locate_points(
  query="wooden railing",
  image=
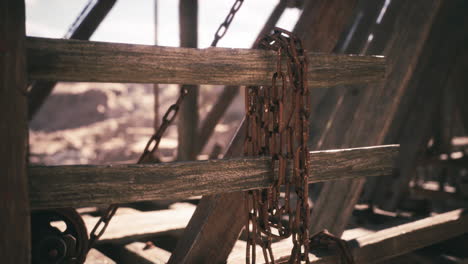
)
(91, 185)
(88, 61)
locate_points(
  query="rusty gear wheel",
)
(59, 236)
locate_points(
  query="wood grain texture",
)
(399, 240)
(15, 231)
(89, 185)
(435, 73)
(230, 92)
(206, 238)
(214, 116)
(74, 60)
(322, 23)
(40, 90)
(400, 36)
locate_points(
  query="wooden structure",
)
(368, 100)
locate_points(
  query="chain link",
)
(101, 225)
(223, 28)
(277, 125)
(151, 147)
(146, 157)
(167, 120)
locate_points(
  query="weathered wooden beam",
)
(74, 60)
(433, 74)
(89, 185)
(206, 238)
(273, 19)
(399, 240)
(368, 12)
(15, 232)
(401, 37)
(230, 92)
(322, 23)
(214, 116)
(40, 90)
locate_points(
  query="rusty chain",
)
(167, 120)
(146, 156)
(277, 125)
(153, 143)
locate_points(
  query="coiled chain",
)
(277, 119)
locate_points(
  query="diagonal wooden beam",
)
(213, 230)
(395, 241)
(435, 73)
(74, 60)
(91, 185)
(230, 92)
(401, 36)
(40, 90)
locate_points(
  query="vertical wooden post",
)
(15, 232)
(188, 116)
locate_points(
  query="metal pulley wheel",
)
(59, 236)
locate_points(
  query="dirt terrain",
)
(99, 123)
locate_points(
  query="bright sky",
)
(133, 21)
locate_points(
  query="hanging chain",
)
(101, 225)
(223, 28)
(145, 157)
(153, 143)
(167, 120)
(277, 125)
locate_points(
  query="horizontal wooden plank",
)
(399, 240)
(90, 185)
(88, 61)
